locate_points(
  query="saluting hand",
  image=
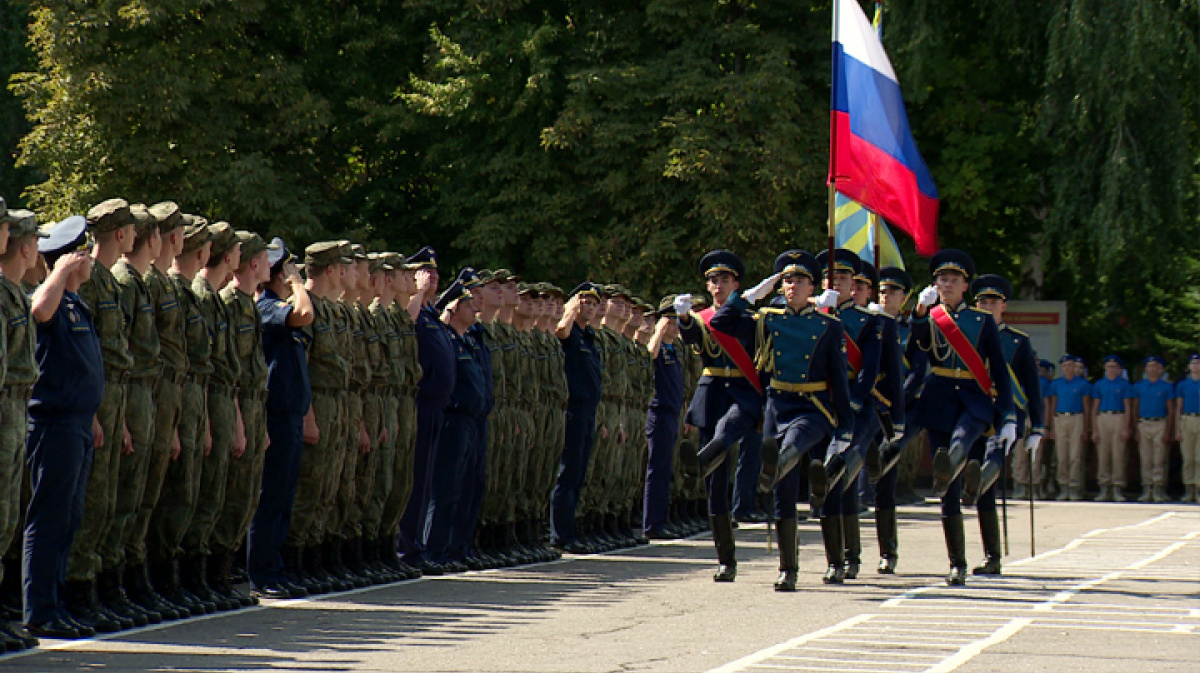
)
(756, 293)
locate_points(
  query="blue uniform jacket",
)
(469, 396)
(890, 389)
(715, 394)
(581, 362)
(71, 384)
(916, 364)
(668, 381)
(285, 349)
(483, 355)
(866, 329)
(1018, 352)
(436, 353)
(795, 348)
(936, 409)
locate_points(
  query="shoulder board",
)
(1016, 331)
(827, 316)
(770, 310)
(978, 310)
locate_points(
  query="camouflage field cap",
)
(359, 252)
(223, 238)
(168, 214)
(252, 244)
(109, 215)
(323, 254)
(22, 223)
(143, 221)
(195, 233)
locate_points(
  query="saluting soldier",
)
(984, 467)
(799, 350)
(662, 420)
(728, 403)
(958, 404)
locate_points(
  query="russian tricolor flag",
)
(872, 156)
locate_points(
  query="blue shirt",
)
(1070, 394)
(1188, 390)
(1152, 397)
(581, 361)
(1112, 393)
(71, 384)
(1045, 385)
(437, 355)
(285, 349)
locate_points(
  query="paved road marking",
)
(961, 623)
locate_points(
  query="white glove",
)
(683, 304)
(928, 296)
(875, 308)
(756, 293)
(1008, 435)
(1032, 442)
(827, 299)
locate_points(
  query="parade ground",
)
(1113, 587)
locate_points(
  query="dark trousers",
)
(745, 479)
(448, 484)
(842, 499)
(430, 419)
(662, 430)
(733, 427)
(273, 518)
(474, 486)
(809, 436)
(979, 451)
(59, 455)
(572, 469)
(967, 431)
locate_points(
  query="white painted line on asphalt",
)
(1158, 557)
(843, 650)
(767, 653)
(859, 661)
(974, 649)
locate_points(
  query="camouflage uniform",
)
(18, 372)
(408, 376)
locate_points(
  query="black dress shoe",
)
(55, 628)
(22, 634)
(273, 590)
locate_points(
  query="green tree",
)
(14, 57)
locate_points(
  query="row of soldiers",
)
(249, 414)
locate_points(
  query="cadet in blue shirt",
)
(1187, 426)
(662, 419)
(727, 406)
(1155, 397)
(284, 307)
(581, 361)
(799, 351)
(63, 426)
(1112, 415)
(958, 405)
(1070, 396)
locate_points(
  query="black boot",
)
(165, 577)
(314, 565)
(107, 593)
(977, 479)
(852, 534)
(711, 456)
(889, 544)
(835, 549)
(789, 458)
(956, 548)
(139, 590)
(195, 580)
(889, 456)
(81, 602)
(126, 605)
(948, 463)
(989, 527)
(789, 564)
(722, 529)
(219, 578)
(824, 476)
(335, 565)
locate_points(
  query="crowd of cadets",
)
(181, 404)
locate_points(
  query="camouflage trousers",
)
(402, 471)
(367, 468)
(214, 469)
(243, 479)
(181, 483)
(385, 468)
(14, 423)
(139, 419)
(168, 396)
(316, 463)
(100, 501)
(347, 453)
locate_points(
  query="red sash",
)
(733, 348)
(962, 347)
(853, 354)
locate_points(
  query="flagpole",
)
(833, 139)
(876, 231)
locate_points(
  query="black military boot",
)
(158, 578)
(107, 593)
(711, 456)
(889, 543)
(140, 591)
(835, 549)
(164, 576)
(195, 580)
(321, 581)
(125, 580)
(978, 478)
(722, 530)
(331, 551)
(352, 558)
(824, 476)
(220, 581)
(989, 527)
(956, 548)
(789, 564)
(82, 604)
(948, 463)
(852, 534)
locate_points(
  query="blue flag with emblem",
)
(855, 231)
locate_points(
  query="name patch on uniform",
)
(19, 320)
(146, 308)
(243, 329)
(168, 305)
(106, 306)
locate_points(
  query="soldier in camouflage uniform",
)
(226, 434)
(243, 476)
(559, 395)
(493, 336)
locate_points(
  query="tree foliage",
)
(619, 139)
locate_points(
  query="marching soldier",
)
(958, 404)
(728, 404)
(984, 467)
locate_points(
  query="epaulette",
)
(1016, 331)
(827, 316)
(772, 310)
(979, 310)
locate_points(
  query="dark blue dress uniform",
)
(455, 458)
(59, 448)
(801, 356)
(953, 407)
(289, 396)
(581, 363)
(475, 470)
(662, 430)
(437, 355)
(866, 329)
